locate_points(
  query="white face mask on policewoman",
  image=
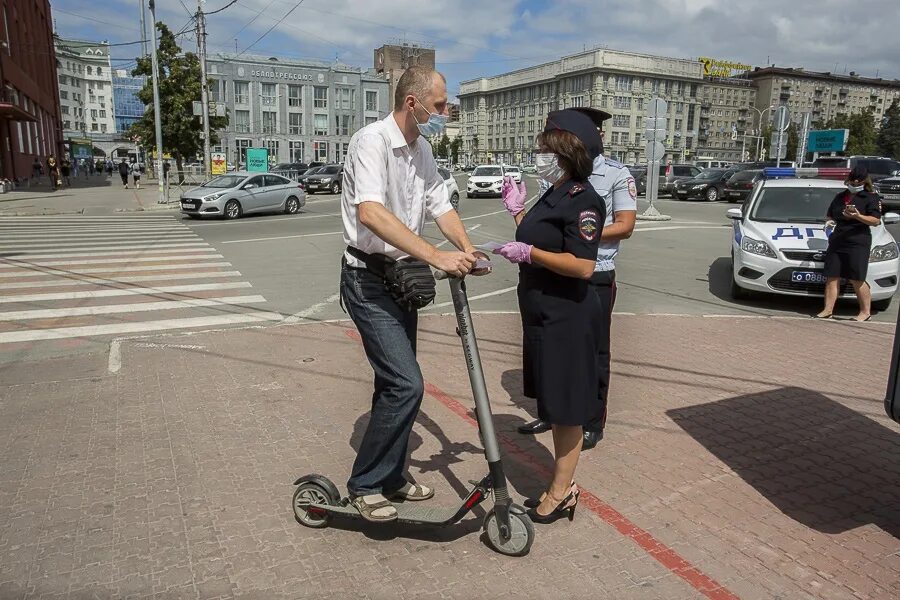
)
(434, 125)
(855, 189)
(547, 166)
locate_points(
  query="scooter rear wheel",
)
(314, 489)
(522, 532)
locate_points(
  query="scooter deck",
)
(406, 511)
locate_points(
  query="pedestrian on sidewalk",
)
(65, 168)
(136, 174)
(37, 169)
(614, 183)
(391, 184)
(556, 248)
(53, 172)
(109, 167)
(124, 168)
(852, 215)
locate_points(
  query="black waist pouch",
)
(409, 280)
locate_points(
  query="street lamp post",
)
(759, 133)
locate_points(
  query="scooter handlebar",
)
(440, 275)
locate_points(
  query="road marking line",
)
(445, 242)
(100, 245)
(282, 237)
(79, 254)
(19, 230)
(66, 281)
(667, 228)
(99, 239)
(80, 311)
(107, 270)
(118, 328)
(478, 297)
(11, 263)
(308, 312)
(168, 289)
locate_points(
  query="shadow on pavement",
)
(817, 461)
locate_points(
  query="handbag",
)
(408, 280)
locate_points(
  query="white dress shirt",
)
(381, 167)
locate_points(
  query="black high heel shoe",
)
(535, 502)
(566, 508)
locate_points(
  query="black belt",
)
(606, 278)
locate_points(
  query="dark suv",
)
(326, 179)
(669, 174)
(879, 167)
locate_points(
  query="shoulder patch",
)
(632, 188)
(587, 225)
(614, 163)
(576, 189)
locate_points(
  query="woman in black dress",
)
(556, 248)
(853, 213)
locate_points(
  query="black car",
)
(295, 166)
(640, 179)
(326, 179)
(301, 178)
(708, 185)
(739, 186)
(889, 190)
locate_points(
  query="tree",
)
(455, 146)
(863, 135)
(888, 139)
(441, 149)
(793, 142)
(179, 88)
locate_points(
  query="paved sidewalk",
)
(94, 195)
(744, 458)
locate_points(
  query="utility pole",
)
(143, 30)
(801, 151)
(157, 117)
(204, 84)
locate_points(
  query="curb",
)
(80, 211)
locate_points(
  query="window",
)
(615, 137)
(639, 103)
(370, 120)
(320, 151)
(621, 120)
(577, 102)
(99, 72)
(268, 121)
(94, 127)
(102, 114)
(242, 121)
(93, 113)
(267, 96)
(371, 100)
(622, 102)
(320, 124)
(296, 151)
(603, 102)
(240, 147)
(65, 110)
(295, 123)
(217, 90)
(272, 146)
(241, 92)
(67, 124)
(340, 152)
(623, 82)
(342, 98)
(691, 111)
(342, 125)
(102, 125)
(320, 97)
(295, 95)
(678, 124)
(654, 86)
(89, 70)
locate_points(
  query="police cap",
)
(578, 124)
(859, 173)
(596, 115)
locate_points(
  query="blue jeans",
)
(389, 337)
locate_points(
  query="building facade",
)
(823, 95)
(392, 60)
(127, 107)
(300, 110)
(501, 115)
(728, 120)
(85, 87)
(30, 125)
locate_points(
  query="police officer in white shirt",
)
(390, 185)
(615, 184)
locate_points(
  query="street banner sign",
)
(257, 160)
(828, 140)
(218, 165)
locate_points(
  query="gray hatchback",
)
(236, 194)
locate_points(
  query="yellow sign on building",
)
(713, 67)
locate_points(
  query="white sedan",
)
(779, 242)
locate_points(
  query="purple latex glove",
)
(515, 252)
(513, 196)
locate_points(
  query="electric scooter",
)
(509, 530)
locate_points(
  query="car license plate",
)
(891, 196)
(807, 277)
(189, 205)
(735, 194)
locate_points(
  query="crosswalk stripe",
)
(69, 250)
(79, 254)
(111, 244)
(20, 230)
(166, 289)
(43, 236)
(78, 218)
(69, 280)
(111, 270)
(11, 263)
(109, 309)
(138, 327)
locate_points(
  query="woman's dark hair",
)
(573, 156)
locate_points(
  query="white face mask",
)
(547, 166)
(855, 189)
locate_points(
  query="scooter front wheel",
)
(314, 489)
(521, 532)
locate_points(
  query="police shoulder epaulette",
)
(576, 189)
(615, 163)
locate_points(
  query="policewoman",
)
(556, 249)
(852, 213)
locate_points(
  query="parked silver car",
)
(236, 194)
(452, 188)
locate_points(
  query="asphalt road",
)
(680, 266)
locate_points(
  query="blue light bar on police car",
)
(791, 172)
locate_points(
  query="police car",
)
(780, 240)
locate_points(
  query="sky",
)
(478, 38)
